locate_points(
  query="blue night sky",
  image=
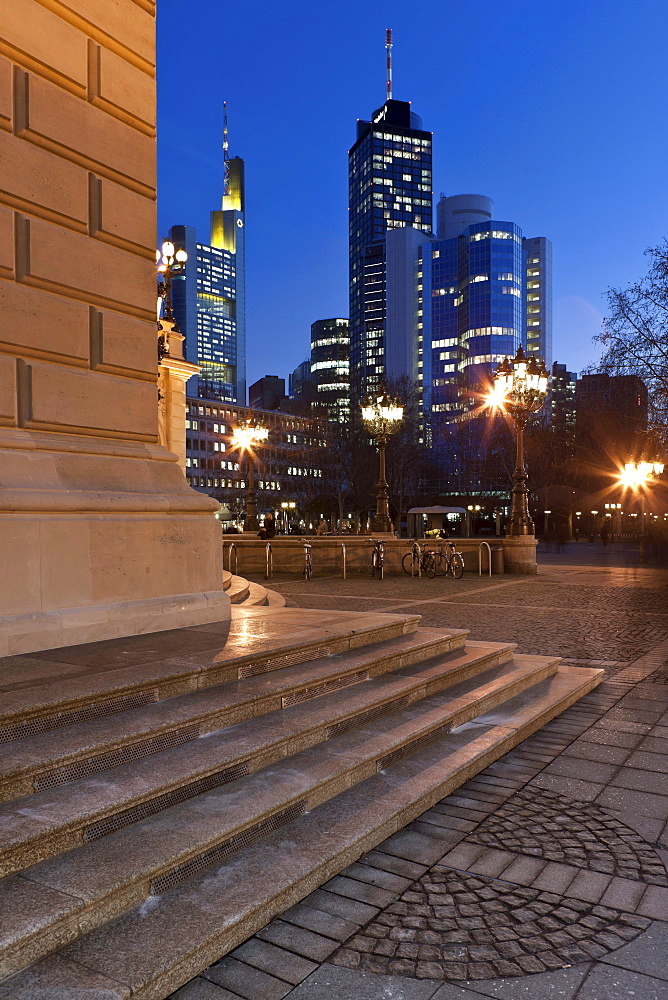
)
(554, 109)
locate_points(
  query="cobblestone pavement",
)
(542, 877)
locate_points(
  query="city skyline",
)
(550, 113)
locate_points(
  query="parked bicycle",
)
(377, 559)
(308, 562)
(419, 561)
(449, 560)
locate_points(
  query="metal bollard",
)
(343, 558)
(232, 546)
(489, 557)
(270, 562)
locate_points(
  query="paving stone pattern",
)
(456, 927)
(549, 858)
(545, 825)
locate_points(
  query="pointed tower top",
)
(388, 49)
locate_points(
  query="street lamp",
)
(169, 261)
(520, 388)
(287, 505)
(637, 476)
(382, 416)
(246, 438)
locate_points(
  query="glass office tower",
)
(330, 366)
(209, 299)
(390, 186)
(483, 280)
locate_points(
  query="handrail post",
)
(270, 562)
(489, 557)
(229, 558)
(343, 558)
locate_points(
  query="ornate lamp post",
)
(246, 437)
(382, 416)
(637, 476)
(520, 388)
(169, 261)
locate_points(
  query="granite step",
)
(238, 589)
(63, 817)
(48, 759)
(45, 691)
(106, 877)
(173, 934)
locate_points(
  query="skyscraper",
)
(390, 186)
(330, 366)
(209, 298)
(461, 301)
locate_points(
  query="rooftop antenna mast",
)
(226, 153)
(388, 49)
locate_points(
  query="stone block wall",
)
(93, 511)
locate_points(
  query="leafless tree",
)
(635, 336)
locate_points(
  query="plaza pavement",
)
(544, 876)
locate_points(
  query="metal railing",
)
(343, 559)
(232, 547)
(270, 562)
(489, 557)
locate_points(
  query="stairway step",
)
(63, 755)
(257, 595)
(143, 669)
(274, 599)
(61, 818)
(160, 852)
(238, 589)
(165, 940)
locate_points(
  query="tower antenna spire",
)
(388, 49)
(226, 153)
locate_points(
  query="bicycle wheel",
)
(441, 563)
(407, 562)
(374, 563)
(457, 565)
(429, 565)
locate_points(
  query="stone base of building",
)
(29, 633)
(100, 539)
(519, 554)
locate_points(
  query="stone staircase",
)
(163, 796)
(241, 591)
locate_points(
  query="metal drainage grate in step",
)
(122, 755)
(152, 806)
(359, 720)
(288, 660)
(217, 855)
(32, 727)
(414, 747)
(314, 692)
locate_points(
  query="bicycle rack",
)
(343, 559)
(229, 558)
(489, 557)
(270, 562)
(381, 553)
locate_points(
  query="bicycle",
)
(308, 562)
(449, 561)
(377, 559)
(419, 561)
